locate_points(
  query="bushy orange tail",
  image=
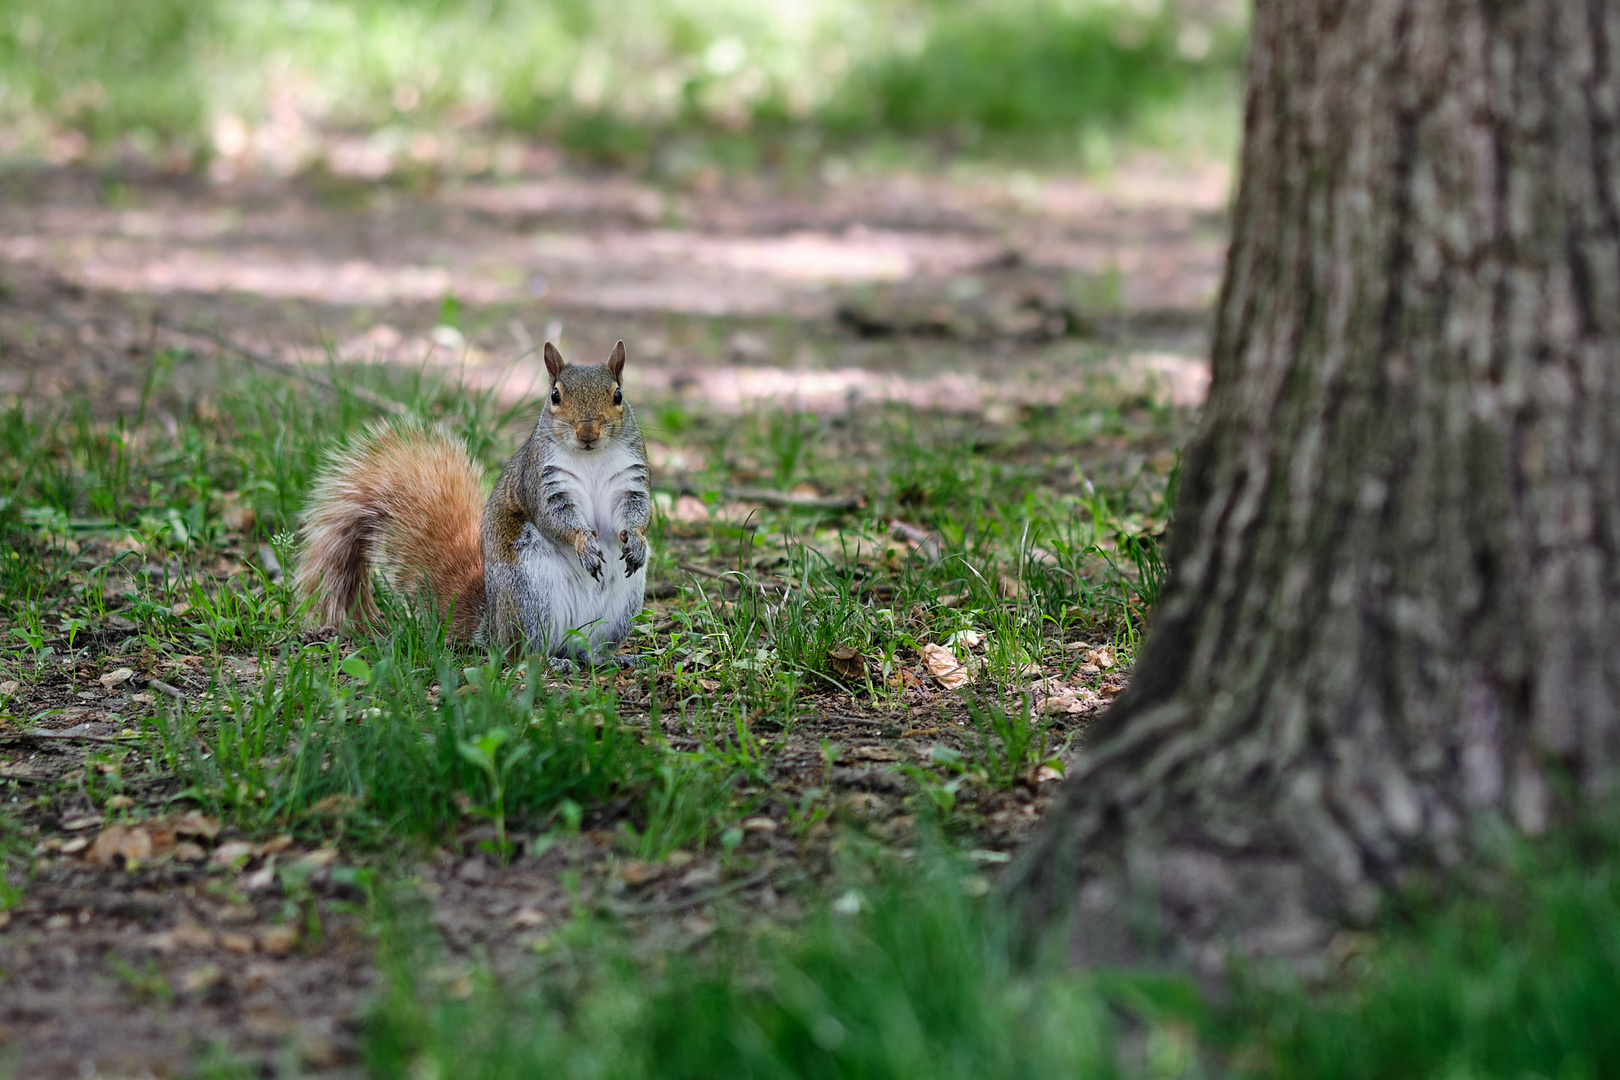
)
(404, 499)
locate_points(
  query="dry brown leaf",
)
(846, 662)
(232, 853)
(113, 678)
(708, 684)
(188, 935)
(201, 979)
(75, 845)
(9, 687)
(943, 665)
(690, 510)
(186, 851)
(278, 940)
(758, 825)
(637, 874)
(1052, 696)
(260, 878)
(278, 843)
(235, 941)
(966, 639)
(335, 804)
(872, 753)
(318, 858)
(196, 823)
(84, 821)
(129, 843)
(528, 918)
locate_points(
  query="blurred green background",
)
(670, 85)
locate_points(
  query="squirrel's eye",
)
(556, 396)
(618, 396)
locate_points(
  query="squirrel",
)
(556, 557)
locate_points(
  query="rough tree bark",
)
(1394, 607)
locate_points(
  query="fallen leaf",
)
(143, 698)
(689, 509)
(1051, 697)
(278, 940)
(189, 935)
(129, 843)
(318, 858)
(232, 853)
(9, 687)
(196, 823)
(200, 979)
(120, 802)
(180, 609)
(85, 821)
(278, 843)
(700, 877)
(951, 600)
(758, 825)
(262, 877)
(121, 624)
(1103, 657)
(237, 518)
(967, 639)
(113, 678)
(235, 941)
(637, 874)
(1044, 774)
(943, 665)
(335, 804)
(75, 845)
(872, 753)
(846, 662)
(186, 851)
(708, 684)
(528, 918)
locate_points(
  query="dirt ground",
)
(968, 293)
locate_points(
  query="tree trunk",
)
(1393, 618)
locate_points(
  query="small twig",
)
(64, 736)
(297, 371)
(159, 684)
(797, 502)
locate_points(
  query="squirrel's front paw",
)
(590, 554)
(635, 551)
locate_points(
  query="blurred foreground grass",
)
(674, 84)
(1514, 974)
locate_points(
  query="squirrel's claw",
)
(590, 557)
(633, 552)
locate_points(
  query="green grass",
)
(906, 976)
(132, 543)
(677, 86)
(906, 980)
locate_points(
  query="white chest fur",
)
(573, 603)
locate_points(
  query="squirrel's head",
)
(585, 406)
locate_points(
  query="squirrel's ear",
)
(616, 362)
(554, 361)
